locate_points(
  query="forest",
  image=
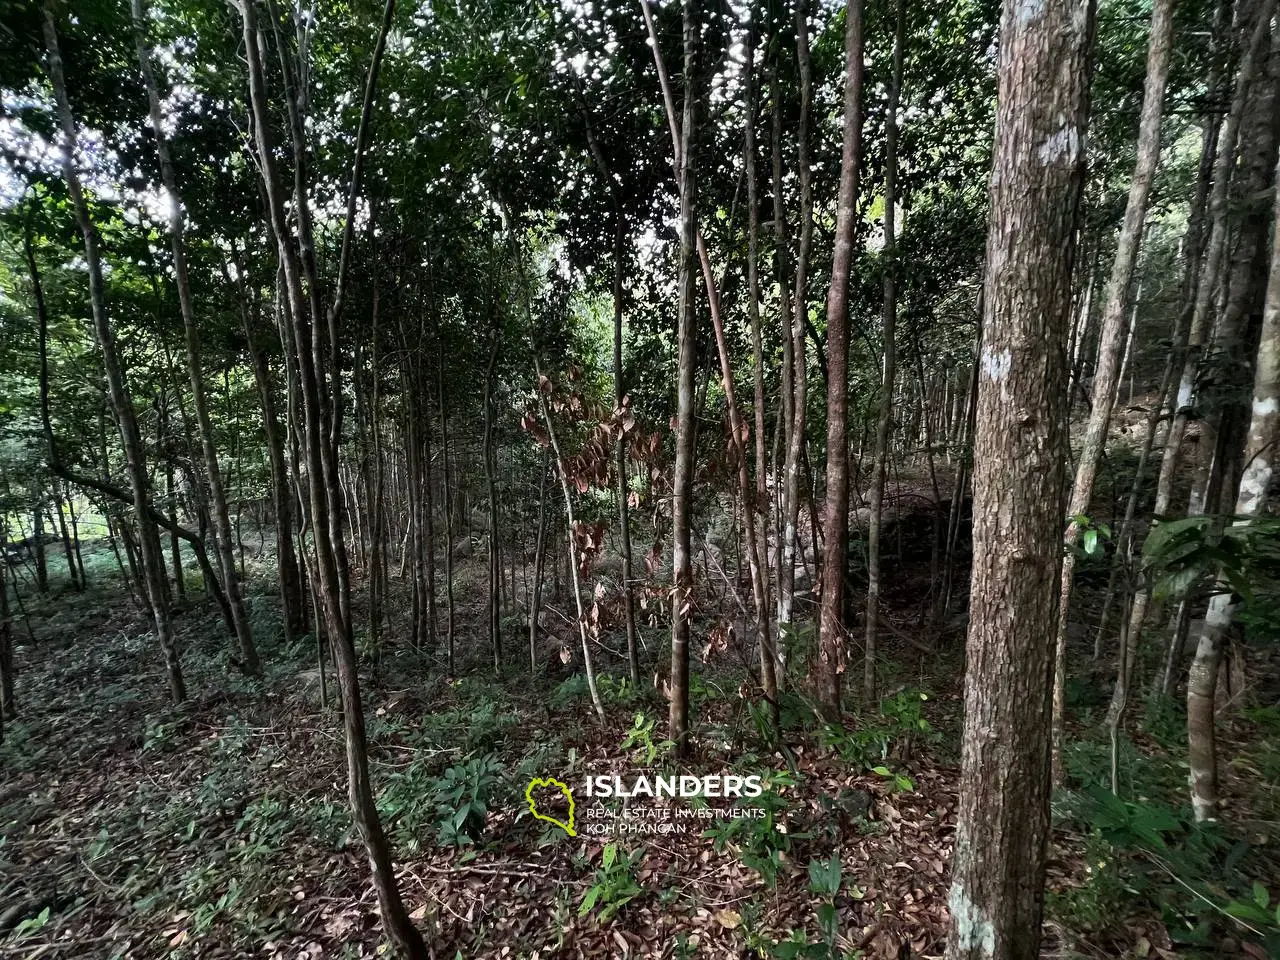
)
(639, 479)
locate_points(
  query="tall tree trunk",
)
(757, 506)
(686, 336)
(1002, 829)
(620, 398)
(539, 563)
(8, 702)
(322, 492)
(829, 663)
(572, 554)
(1255, 483)
(884, 419)
(249, 661)
(450, 495)
(786, 409)
(1194, 318)
(117, 391)
(491, 488)
(799, 313)
(1107, 375)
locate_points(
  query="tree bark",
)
(829, 664)
(117, 390)
(1255, 483)
(323, 494)
(1002, 830)
(1112, 338)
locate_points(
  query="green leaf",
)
(1260, 895)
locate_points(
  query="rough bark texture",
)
(831, 631)
(1107, 375)
(1002, 826)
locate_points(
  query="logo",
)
(537, 782)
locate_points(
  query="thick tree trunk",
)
(249, 661)
(829, 664)
(1112, 337)
(121, 403)
(1002, 829)
(884, 419)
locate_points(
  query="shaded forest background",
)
(399, 402)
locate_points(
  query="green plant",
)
(461, 800)
(614, 884)
(639, 740)
(31, 925)
(825, 877)
(757, 839)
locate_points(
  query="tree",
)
(836, 516)
(1250, 504)
(1002, 827)
(1112, 338)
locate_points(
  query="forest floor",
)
(132, 829)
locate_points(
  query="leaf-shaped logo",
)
(537, 782)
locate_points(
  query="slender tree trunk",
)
(786, 411)
(793, 464)
(1107, 375)
(450, 495)
(539, 562)
(756, 508)
(330, 557)
(118, 394)
(1257, 479)
(490, 480)
(8, 702)
(65, 534)
(884, 419)
(249, 661)
(1194, 317)
(829, 663)
(570, 525)
(682, 487)
(1003, 821)
(620, 398)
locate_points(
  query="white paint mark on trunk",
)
(1060, 147)
(995, 364)
(974, 931)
